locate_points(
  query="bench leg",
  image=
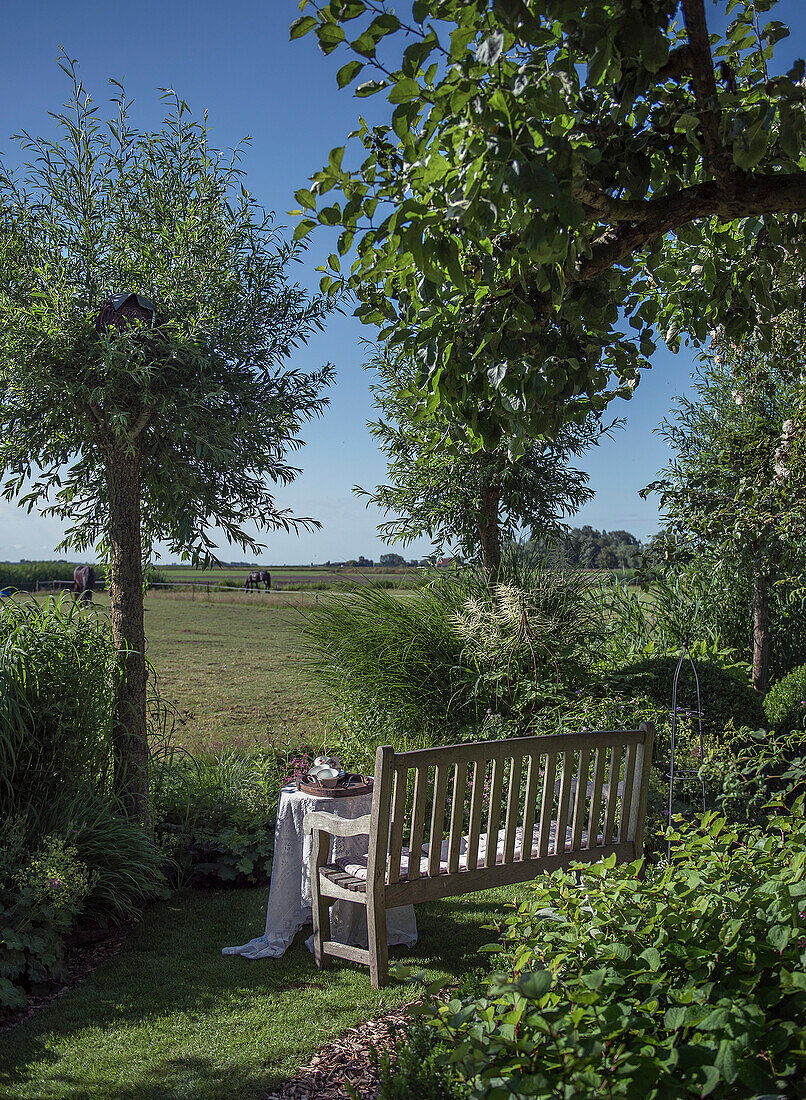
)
(320, 903)
(378, 949)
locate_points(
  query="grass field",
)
(236, 669)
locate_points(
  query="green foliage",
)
(419, 1068)
(455, 661)
(785, 702)
(673, 608)
(727, 698)
(668, 982)
(766, 766)
(516, 213)
(55, 878)
(214, 815)
(55, 704)
(31, 947)
(125, 865)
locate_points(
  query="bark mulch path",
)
(351, 1059)
(81, 958)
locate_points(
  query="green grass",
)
(170, 1017)
(235, 667)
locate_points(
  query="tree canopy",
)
(512, 220)
(474, 499)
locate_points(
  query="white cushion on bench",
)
(357, 865)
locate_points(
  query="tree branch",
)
(780, 193)
(140, 423)
(705, 90)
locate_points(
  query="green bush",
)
(56, 704)
(25, 575)
(785, 703)
(455, 661)
(31, 947)
(687, 982)
(56, 879)
(418, 1069)
(727, 698)
(215, 815)
(766, 766)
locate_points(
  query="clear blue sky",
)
(236, 61)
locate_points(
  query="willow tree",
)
(507, 221)
(477, 498)
(169, 416)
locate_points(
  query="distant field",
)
(291, 577)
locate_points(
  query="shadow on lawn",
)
(141, 1026)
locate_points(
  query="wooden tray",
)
(349, 786)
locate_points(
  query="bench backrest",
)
(501, 811)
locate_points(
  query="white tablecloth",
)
(289, 907)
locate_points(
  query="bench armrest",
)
(335, 825)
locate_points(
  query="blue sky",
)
(236, 61)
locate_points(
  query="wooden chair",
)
(532, 804)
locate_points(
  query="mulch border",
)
(351, 1059)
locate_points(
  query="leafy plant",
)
(214, 815)
(31, 947)
(55, 878)
(677, 981)
(785, 702)
(766, 766)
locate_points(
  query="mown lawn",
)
(234, 668)
(170, 1017)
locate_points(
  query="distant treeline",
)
(25, 575)
(587, 548)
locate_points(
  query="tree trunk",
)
(490, 533)
(761, 634)
(130, 740)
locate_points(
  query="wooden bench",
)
(546, 802)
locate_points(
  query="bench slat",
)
(612, 792)
(513, 808)
(417, 820)
(626, 798)
(545, 743)
(562, 808)
(580, 800)
(476, 798)
(494, 813)
(457, 816)
(396, 827)
(437, 818)
(547, 804)
(596, 797)
(530, 807)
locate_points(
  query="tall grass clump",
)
(55, 704)
(455, 661)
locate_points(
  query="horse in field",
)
(254, 580)
(83, 583)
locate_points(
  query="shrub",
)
(766, 766)
(31, 947)
(727, 699)
(126, 865)
(688, 982)
(419, 1069)
(56, 879)
(444, 662)
(55, 704)
(214, 815)
(785, 703)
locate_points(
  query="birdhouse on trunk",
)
(122, 311)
